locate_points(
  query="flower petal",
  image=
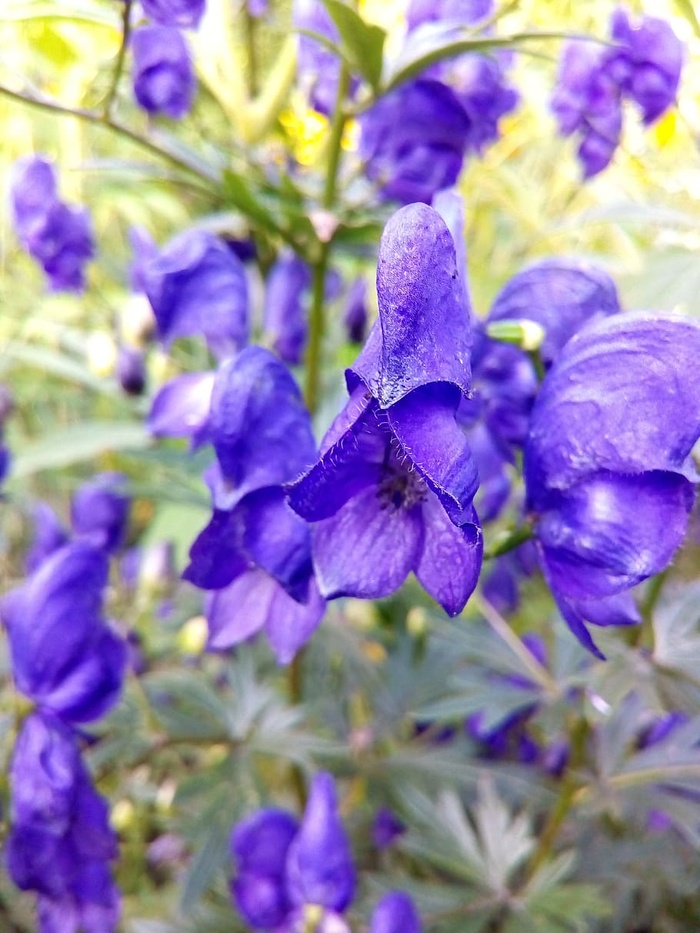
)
(624, 396)
(424, 320)
(365, 549)
(450, 562)
(425, 426)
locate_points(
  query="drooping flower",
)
(197, 287)
(392, 492)
(49, 536)
(355, 314)
(58, 235)
(180, 13)
(181, 407)
(64, 656)
(131, 370)
(60, 843)
(395, 913)
(256, 552)
(587, 101)
(607, 465)
(648, 65)
(386, 828)
(284, 866)
(643, 63)
(100, 511)
(284, 311)
(163, 74)
(413, 141)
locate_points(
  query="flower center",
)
(400, 489)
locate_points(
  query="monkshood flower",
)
(648, 65)
(395, 913)
(318, 68)
(56, 234)
(608, 475)
(283, 866)
(413, 141)
(256, 552)
(49, 536)
(393, 490)
(386, 828)
(257, 8)
(100, 511)
(64, 656)
(131, 370)
(197, 287)
(643, 63)
(285, 316)
(163, 75)
(60, 843)
(561, 294)
(478, 81)
(181, 13)
(181, 408)
(355, 313)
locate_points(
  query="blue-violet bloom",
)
(609, 479)
(163, 73)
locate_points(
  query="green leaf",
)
(362, 43)
(440, 41)
(75, 443)
(238, 194)
(212, 857)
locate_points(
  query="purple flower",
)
(283, 865)
(181, 408)
(607, 464)
(64, 656)
(180, 13)
(355, 314)
(197, 286)
(57, 235)
(392, 492)
(131, 370)
(259, 846)
(645, 64)
(163, 75)
(319, 867)
(49, 536)
(413, 141)
(145, 250)
(395, 913)
(255, 546)
(648, 68)
(461, 12)
(561, 295)
(587, 101)
(284, 310)
(386, 828)
(100, 511)
(60, 843)
(257, 8)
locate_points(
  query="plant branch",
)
(119, 65)
(97, 119)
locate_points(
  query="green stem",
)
(119, 65)
(97, 119)
(509, 541)
(569, 793)
(320, 267)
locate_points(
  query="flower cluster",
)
(642, 63)
(70, 663)
(293, 876)
(58, 235)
